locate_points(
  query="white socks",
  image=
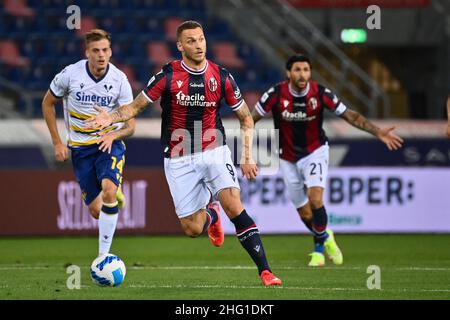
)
(107, 222)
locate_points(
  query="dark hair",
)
(96, 35)
(190, 24)
(297, 58)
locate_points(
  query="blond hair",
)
(96, 35)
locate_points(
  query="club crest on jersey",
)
(313, 103)
(212, 84)
(179, 83)
(285, 103)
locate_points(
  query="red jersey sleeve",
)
(332, 102)
(155, 86)
(267, 101)
(233, 96)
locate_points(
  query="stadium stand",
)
(87, 23)
(35, 43)
(18, 8)
(158, 52)
(10, 55)
(170, 27)
(226, 53)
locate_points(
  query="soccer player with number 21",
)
(297, 106)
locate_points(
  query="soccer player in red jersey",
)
(297, 106)
(197, 161)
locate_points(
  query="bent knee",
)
(192, 226)
(109, 195)
(316, 203)
(305, 212)
(109, 190)
(192, 232)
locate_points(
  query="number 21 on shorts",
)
(317, 170)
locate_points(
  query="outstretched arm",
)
(248, 165)
(48, 110)
(104, 119)
(392, 141)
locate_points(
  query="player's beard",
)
(196, 60)
(297, 86)
(301, 86)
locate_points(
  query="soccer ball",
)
(108, 270)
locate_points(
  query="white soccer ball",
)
(108, 270)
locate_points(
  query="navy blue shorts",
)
(91, 166)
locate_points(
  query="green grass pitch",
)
(175, 267)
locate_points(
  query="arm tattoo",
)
(124, 113)
(247, 125)
(359, 121)
(243, 114)
(129, 111)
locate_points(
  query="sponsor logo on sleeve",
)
(237, 93)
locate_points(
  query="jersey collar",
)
(92, 76)
(193, 71)
(297, 94)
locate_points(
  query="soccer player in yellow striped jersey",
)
(97, 156)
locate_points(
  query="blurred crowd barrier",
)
(369, 188)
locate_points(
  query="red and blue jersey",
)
(190, 102)
(299, 116)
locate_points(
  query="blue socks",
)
(211, 218)
(319, 227)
